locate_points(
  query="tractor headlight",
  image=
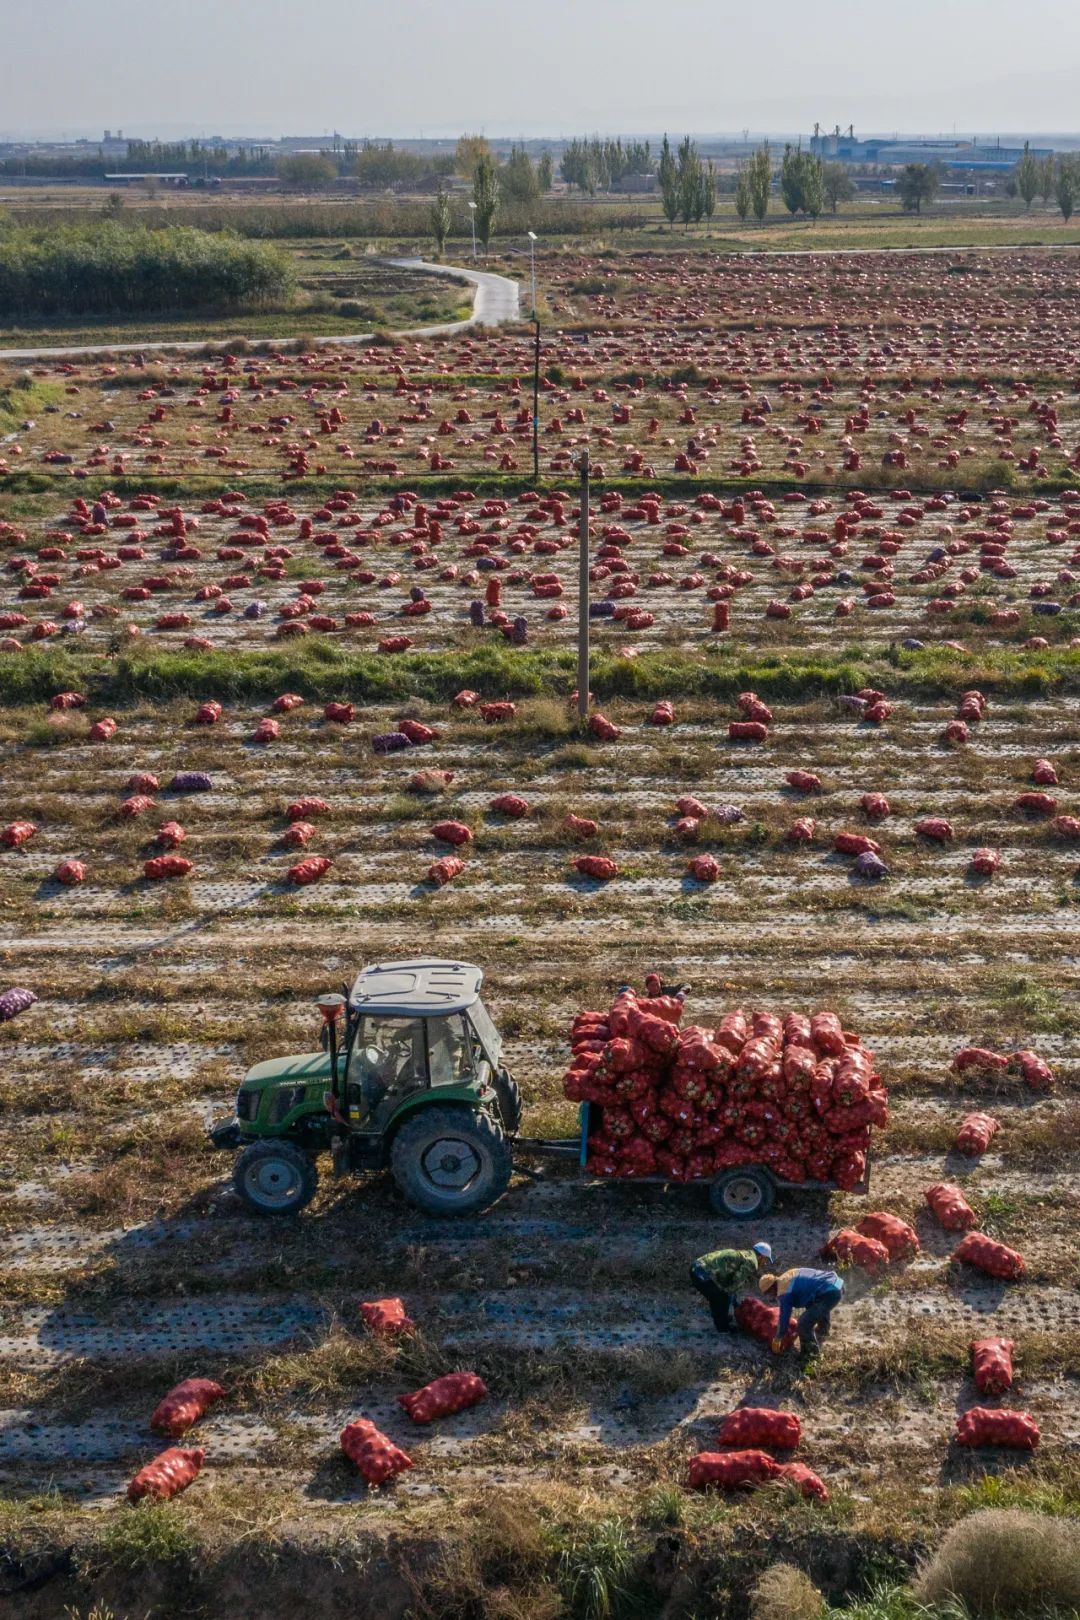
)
(286, 1098)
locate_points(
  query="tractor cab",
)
(414, 1027)
(409, 1075)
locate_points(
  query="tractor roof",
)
(422, 988)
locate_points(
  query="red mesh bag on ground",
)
(936, 828)
(1043, 773)
(287, 701)
(445, 869)
(996, 1259)
(748, 731)
(850, 843)
(732, 1470)
(171, 1472)
(17, 833)
(804, 1479)
(875, 805)
(991, 1361)
(853, 1249)
(342, 713)
(303, 809)
(510, 804)
(976, 1133)
(184, 1405)
(760, 1426)
(803, 781)
(208, 714)
(166, 866)
(69, 873)
(899, 1238)
(445, 1396)
(597, 866)
(386, 1317)
(430, 780)
(1037, 1073)
(493, 713)
(760, 1320)
(580, 826)
(600, 726)
(368, 1449)
(266, 731)
(950, 1207)
(802, 830)
(417, 733)
(978, 1057)
(309, 870)
(986, 862)
(997, 1426)
(169, 834)
(704, 868)
(451, 832)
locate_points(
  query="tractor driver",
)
(391, 1050)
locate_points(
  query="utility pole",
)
(583, 593)
(536, 363)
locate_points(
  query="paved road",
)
(496, 300)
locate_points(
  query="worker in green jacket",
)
(726, 1272)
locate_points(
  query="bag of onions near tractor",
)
(386, 1317)
(976, 1133)
(445, 869)
(170, 834)
(390, 742)
(208, 714)
(991, 1362)
(69, 873)
(102, 730)
(704, 868)
(1036, 1072)
(15, 1001)
(805, 1481)
(732, 1470)
(603, 729)
(430, 780)
(371, 1453)
(748, 731)
(580, 826)
(803, 781)
(900, 1239)
(286, 703)
(950, 1207)
(761, 1321)
(166, 866)
(453, 1392)
(997, 1426)
(995, 1259)
(266, 731)
(309, 870)
(171, 1472)
(1043, 773)
(760, 1426)
(935, 828)
(184, 1405)
(341, 714)
(190, 782)
(854, 1249)
(986, 862)
(663, 714)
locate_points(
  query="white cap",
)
(764, 1249)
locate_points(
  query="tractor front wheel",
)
(451, 1161)
(275, 1178)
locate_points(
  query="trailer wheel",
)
(451, 1161)
(743, 1194)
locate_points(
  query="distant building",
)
(946, 154)
(134, 179)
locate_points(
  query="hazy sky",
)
(406, 67)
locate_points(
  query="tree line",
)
(113, 269)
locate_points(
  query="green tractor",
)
(409, 1077)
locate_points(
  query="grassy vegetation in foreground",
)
(319, 669)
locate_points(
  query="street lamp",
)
(472, 221)
(536, 363)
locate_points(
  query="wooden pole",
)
(583, 592)
(536, 403)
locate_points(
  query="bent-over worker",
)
(815, 1293)
(727, 1272)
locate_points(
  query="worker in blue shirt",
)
(815, 1293)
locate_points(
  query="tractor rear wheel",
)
(275, 1178)
(451, 1161)
(508, 1092)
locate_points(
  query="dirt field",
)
(126, 1261)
